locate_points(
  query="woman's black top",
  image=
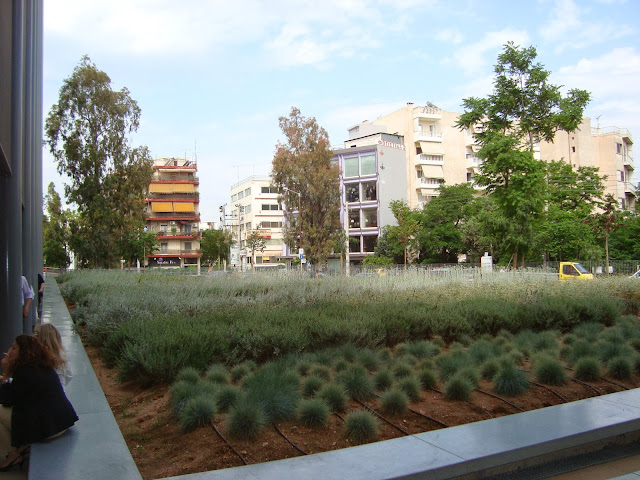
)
(40, 407)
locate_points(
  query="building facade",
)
(373, 173)
(254, 208)
(173, 213)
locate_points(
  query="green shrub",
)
(489, 368)
(449, 363)
(472, 374)
(361, 426)
(588, 330)
(334, 396)
(403, 369)
(356, 382)
(217, 374)
(275, 389)
(311, 385)
(394, 402)
(428, 379)
(340, 365)
(227, 397)
(510, 381)
(482, 350)
(549, 371)
(239, 372)
(321, 371)
(620, 368)
(411, 386)
(368, 359)
(438, 342)
(580, 349)
(303, 367)
(313, 412)
(587, 369)
(458, 388)
(179, 393)
(197, 412)
(422, 349)
(245, 421)
(382, 379)
(188, 374)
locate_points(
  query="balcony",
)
(627, 161)
(426, 159)
(176, 252)
(430, 183)
(177, 235)
(427, 113)
(472, 161)
(427, 136)
(629, 187)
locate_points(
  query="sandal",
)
(15, 457)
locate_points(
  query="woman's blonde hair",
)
(50, 338)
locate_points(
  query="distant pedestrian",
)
(27, 296)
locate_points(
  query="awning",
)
(183, 207)
(183, 188)
(432, 171)
(160, 188)
(432, 148)
(161, 207)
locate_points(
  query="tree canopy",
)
(87, 134)
(302, 171)
(215, 245)
(55, 230)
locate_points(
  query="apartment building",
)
(173, 213)
(438, 152)
(373, 172)
(254, 207)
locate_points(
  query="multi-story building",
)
(437, 151)
(373, 172)
(254, 207)
(173, 213)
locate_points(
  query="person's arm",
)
(27, 304)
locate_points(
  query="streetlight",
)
(287, 189)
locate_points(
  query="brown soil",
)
(161, 450)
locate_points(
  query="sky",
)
(212, 77)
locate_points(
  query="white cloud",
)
(449, 36)
(472, 58)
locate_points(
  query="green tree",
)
(607, 220)
(136, 245)
(523, 108)
(440, 236)
(55, 231)
(255, 243)
(86, 132)
(303, 172)
(404, 235)
(214, 246)
(623, 242)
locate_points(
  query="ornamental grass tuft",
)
(217, 373)
(179, 393)
(239, 372)
(548, 370)
(245, 421)
(458, 388)
(411, 387)
(311, 385)
(587, 369)
(276, 389)
(428, 379)
(510, 381)
(394, 402)
(227, 397)
(335, 397)
(402, 369)
(197, 412)
(489, 368)
(382, 379)
(356, 382)
(188, 374)
(313, 412)
(620, 368)
(368, 359)
(361, 426)
(322, 371)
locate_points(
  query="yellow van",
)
(573, 271)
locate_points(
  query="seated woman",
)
(50, 338)
(34, 406)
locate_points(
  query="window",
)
(234, 197)
(354, 218)
(369, 242)
(573, 149)
(187, 246)
(618, 148)
(370, 217)
(163, 228)
(354, 244)
(352, 192)
(621, 175)
(418, 149)
(248, 225)
(247, 209)
(247, 192)
(368, 165)
(369, 191)
(351, 167)
(240, 195)
(187, 228)
(164, 246)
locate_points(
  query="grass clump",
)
(239, 372)
(368, 359)
(313, 412)
(356, 382)
(197, 412)
(303, 367)
(549, 371)
(334, 396)
(402, 370)
(383, 379)
(217, 374)
(361, 426)
(321, 371)
(620, 368)
(394, 402)
(311, 385)
(276, 389)
(341, 365)
(411, 387)
(489, 368)
(510, 381)
(587, 369)
(428, 379)
(458, 388)
(226, 397)
(188, 374)
(245, 421)
(179, 393)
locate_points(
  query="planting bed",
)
(161, 449)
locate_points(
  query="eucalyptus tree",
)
(215, 246)
(55, 230)
(87, 134)
(523, 109)
(309, 184)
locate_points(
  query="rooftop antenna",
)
(598, 122)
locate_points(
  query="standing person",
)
(34, 406)
(40, 295)
(50, 338)
(27, 296)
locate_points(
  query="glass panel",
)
(351, 167)
(369, 242)
(352, 192)
(354, 218)
(368, 165)
(370, 217)
(369, 191)
(354, 244)
(187, 228)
